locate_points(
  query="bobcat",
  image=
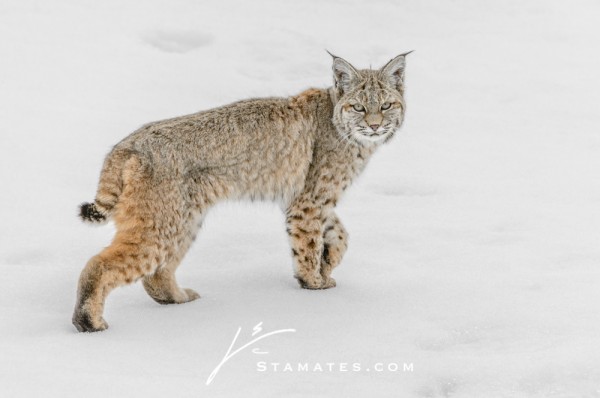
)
(303, 151)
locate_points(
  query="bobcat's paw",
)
(191, 295)
(316, 283)
(84, 322)
(167, 297)
(328, 283)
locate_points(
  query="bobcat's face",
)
(370, 105)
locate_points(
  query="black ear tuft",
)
(332, 55)
(394, 71)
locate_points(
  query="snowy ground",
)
(475, 234)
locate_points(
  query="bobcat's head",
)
(370, 103)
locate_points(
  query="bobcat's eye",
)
(358, 108)
(386, 106)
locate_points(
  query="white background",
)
(474, 235)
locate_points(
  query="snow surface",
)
(474, 251)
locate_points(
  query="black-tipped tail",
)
(89, 212)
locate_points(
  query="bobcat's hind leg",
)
(163, 288)
(147, 216)
(162, 285)
(121, 263)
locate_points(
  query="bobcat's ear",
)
(344, 74)
(394, 71)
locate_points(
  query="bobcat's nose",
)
(374, 126)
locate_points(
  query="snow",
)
(474, 245)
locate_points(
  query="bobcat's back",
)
(257, 149)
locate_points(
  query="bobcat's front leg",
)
(335, 243)
(305, 228)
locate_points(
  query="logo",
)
(258, 334)
(230, 353)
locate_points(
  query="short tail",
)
(90, 212)
(109, 188)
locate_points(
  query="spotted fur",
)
(303, 151)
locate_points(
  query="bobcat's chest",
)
(339, 172)
(357, 161)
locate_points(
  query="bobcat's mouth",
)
(371, 137)
(376, 134)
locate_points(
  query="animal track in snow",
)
(181, 41)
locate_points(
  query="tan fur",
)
(303, 151)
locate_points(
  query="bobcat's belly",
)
(279, 181)
(277, 174)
